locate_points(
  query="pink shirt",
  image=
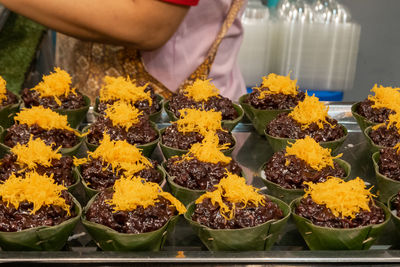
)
(186, 50)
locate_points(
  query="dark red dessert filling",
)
(274, 101)
(198, 175)
(173, 138)
(222, 104)
(100, 175)
(209, 215)
(32, 98)
(377, 115)
(389, 163)
(11, 99)
(298, 171)
(385, 137)
(320, 215)
(140, 220)
(286, 127)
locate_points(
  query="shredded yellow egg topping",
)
(201, 121)
(131, 192)
(393, 120)
(3, 90)
(385, 97)
(34, 153)
(310, 110)
(201, 90)
(120, 155)
(277, 84)
(208, 150)
(44, 118)
(397, 146)
(344, 199)
(40, 190)
(123, 114)
(311, 152)
(57, 83)
(234, 190)
(124, 89)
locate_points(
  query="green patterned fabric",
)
(19, 40)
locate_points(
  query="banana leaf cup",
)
(362, 121)
(110, 240)
(395, 216)
(279, 143)
(154, 117)
(43, 238)
(147, 149)
(91, 192)
(260, 237)
(259, 117)
(71, 151)
(76, 116)
(386, 186)
(169, 152)
(184, 194)
(288, 195)
(8, 112)
(372, 146)
(326, 238)
(228, 125)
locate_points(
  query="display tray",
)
(183, 246)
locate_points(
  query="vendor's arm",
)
(143, 24)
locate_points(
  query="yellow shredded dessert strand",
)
(3, 90)
(277, 84)
(201, 90)
(123, 114)
(234, 190)
(40, 190)
(385, 97)
(131, 192)
(201, 121)
(344, 199)
(311, 152)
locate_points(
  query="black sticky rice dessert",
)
(387, 134)
(139, 94)
(134, 206)
(377, 108)
(322, 204)
(54, 92)
(389, 162)
(303, 161)
(191, 128)
(6, 97)
(21, 207)
(123, 121)
(36, 155)
(232, 204)
(276, 92)
(203, 166)
(42, 123)
(203, 95)
(113, 159)
(309, 118)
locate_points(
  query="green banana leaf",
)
(361, 120)
(228, 125)
(395, 216)
(169, 152)
(325, 238)
(260, 117)
(288, 195)
(46, 238)
(111, 240)
(8, 112)
(75, 116)
(154, 117)
(386, 186)
(72, 151)
(185, 195)
(147, 149)
(372, 146)
(278, 143)
(260, 237)
(90, 192)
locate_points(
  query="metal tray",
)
(184, 247)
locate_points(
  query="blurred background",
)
(336, 48)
